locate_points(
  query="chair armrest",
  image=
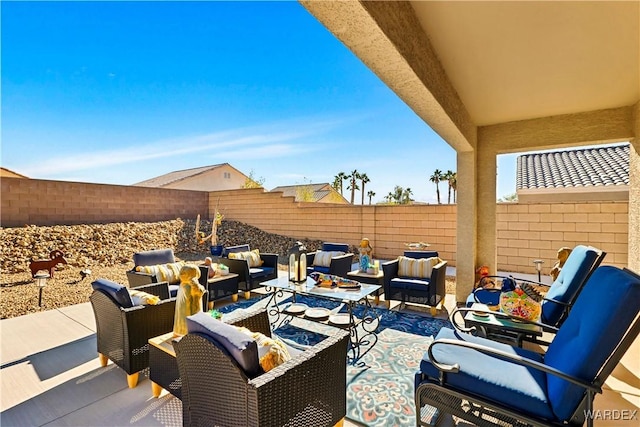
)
(148, 321)
(239, 267)
(137, 278)
(269, 260)
(255, 321)
(319, 371)
(437, 283)
(513, 358)
(161, 289)
(341, 265)
(389, 271)
(311, 256)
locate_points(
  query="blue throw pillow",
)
(118, 293)
(240, 346)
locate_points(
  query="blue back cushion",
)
(603, 312)
(118, 293)
(239, 345)
(155, 257)
(420, 254)
(333, 247)
(568, 283)
(235, 249)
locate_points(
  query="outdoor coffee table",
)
(362, 330)
(372, 279)
(163, 366)
(491, 325)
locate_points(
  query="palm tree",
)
(353, 185)
(337, 181)
(436, 178)
(453, 182)
(406, 196)
(370, 194)
(447, 177)
(363, 179)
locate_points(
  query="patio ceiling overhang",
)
(467, 65)
(503, 77)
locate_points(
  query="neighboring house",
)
(6, 173)
(319, 193)
(600, 173)
(205, 178)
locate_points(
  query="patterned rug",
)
(380, 393)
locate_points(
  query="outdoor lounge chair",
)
(339, 261)
(163, 269)
(250, 277)
(560, 295)
(429, 290)
(222, 386)
(489, 383)
(123, 329)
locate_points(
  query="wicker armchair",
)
(250, 277)
(123, 332)
(308, 390)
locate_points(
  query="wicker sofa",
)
(307, 390)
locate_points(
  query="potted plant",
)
(216, 249)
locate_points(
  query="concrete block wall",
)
(536, 231)
(43, 202)
(387, 227)
(525, 231)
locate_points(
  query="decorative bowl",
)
(519, 304)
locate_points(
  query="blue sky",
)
(120, 92)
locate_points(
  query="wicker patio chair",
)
(308, 390)
(123, 329)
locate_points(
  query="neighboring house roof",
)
(8, 173)
(320, 192)
(570, 169)
(172, 177)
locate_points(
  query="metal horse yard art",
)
(57, 257)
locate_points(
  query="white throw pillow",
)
(323, 259)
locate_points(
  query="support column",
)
(633, 260)
(486, 213)
(466, 223)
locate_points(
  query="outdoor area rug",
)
(380, 393)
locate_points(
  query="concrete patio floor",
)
(51, 376)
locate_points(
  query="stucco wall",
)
(42, 202)
(212, 180)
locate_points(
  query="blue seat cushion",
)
(420, 254)
(318, 268)
(335, 247)
(155, 257)
(240, 346)
(568, 282)
(117, 292)
(483, 296)
(260, 271)
(418, 284)
(598, 320)
(504, 382)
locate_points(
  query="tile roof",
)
(600, 166)
(168, 178)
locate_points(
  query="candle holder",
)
(298, 263)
